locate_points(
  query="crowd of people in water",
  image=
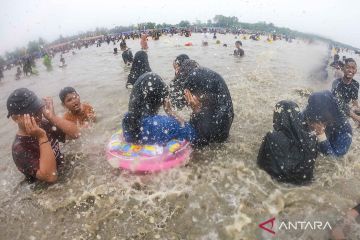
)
(26, 64)
(287, 153)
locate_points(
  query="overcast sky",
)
(25, 20)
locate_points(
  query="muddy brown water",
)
(219, 194)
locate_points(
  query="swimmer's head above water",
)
(123, 46)
(238, 44)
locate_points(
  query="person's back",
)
(288, 152)
(139, 66)
(127, 56)
(213, 121)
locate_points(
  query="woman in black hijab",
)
(207, 94)
(139, 66)
(327, 116)
(142, 124)
(183, 66)
(288, 153)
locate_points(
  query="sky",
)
(24, 20)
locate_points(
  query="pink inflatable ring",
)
(146, 158)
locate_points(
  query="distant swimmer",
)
(115, 51)
(47, 62)
(1, 73)
(18, 73)
(143, 42)
(62, 61)
(205, 39)
(337, 64)
(238, 51)
(127, 55)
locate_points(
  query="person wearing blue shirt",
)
(143, 125)
(325, 116)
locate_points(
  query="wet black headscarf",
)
(178, 83)
(214, 120)
(139, 66)
(288, 153)
(180, 59)
(146, 98)
(325, 107)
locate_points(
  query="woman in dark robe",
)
(139, 66)
(207, 94)
(288, 153)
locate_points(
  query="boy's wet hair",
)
(349, 60)
(238, 42)
(65, 91)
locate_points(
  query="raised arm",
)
(68, 127)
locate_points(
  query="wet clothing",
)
(26, 150)
(86, 114)
(288, 152)
(127, 56)
(159, 129)
(345, 92)
(180, 59)
(338, 140)
(177, 85)
(326, 108)
(213, 122)
(239, 52)
(139, 66)
(146, 98)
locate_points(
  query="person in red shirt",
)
(82, 114)
(36, 150)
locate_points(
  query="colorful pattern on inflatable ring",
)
(146, 158)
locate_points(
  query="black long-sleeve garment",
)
(213, 122)
(288, 153)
